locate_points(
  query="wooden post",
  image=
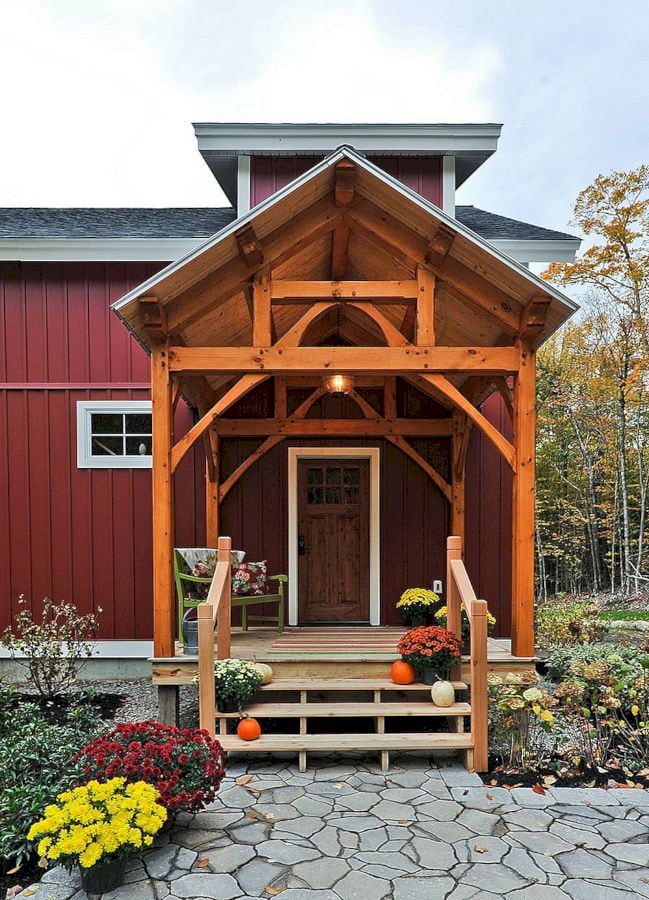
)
(212, 479)
(206, 692)
(523, 505)
(425, 322)
(453, 616)
(164, 613)
(224, 618)
(459, 443)
(262, 323)
(479, 695)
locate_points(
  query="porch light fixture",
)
(338, 385)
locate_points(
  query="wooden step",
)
(332, 742)
(348, 684)
(349, 710)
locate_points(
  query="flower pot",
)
(190, 633)
(430, 675)
(227, 706)
(103, 876)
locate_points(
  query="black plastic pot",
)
(103, 876)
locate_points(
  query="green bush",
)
(625, 663)
(567, 620)
(35, 765)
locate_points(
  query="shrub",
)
(520, 713)
(184, 765)
(429, 646)
(624, 664)
(237, 682)
(54, 649)
(99, 822)
(35, 765)
(566, 620)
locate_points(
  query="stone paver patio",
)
(427, 830)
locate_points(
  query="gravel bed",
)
(141, 700)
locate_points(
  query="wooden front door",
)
(333, 540)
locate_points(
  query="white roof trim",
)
(331, 160)
(232, 138)
(538, 251)
(95, 249)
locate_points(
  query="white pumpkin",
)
(266, 672)
(442, 693)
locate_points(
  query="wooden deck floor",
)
(346, 654)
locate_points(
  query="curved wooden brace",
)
(245, 384)
(441, 385)
(393, 337)
(267, 445)
(370, 413)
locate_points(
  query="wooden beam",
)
(281, 398)
(164, 618)
(439, 385)
(523, 506)
(339, 245)
(153, 318)
(342, 290)
(262, 323)
(393, 337)
(214, 288)
(440, 244)
(391, 360)
(249, 247)
(266, 445)
(505, 392)
(459, 446)
(390, 397)
(344, 178)
(425, 322)
(534, 317)
(343, 427)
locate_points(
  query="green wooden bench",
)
(191, 590)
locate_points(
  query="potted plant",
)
(237, 682)
(440, 617)
(99, 826)
(185, 765)
(416, 605)
(431, 651)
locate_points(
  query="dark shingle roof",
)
(189, 222)
(500, 228)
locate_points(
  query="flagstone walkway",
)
(423, 832)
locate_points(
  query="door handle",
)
(301, 545)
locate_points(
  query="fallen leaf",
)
(13, 871)
(403, 821)
(464, 793)
(494, 783)
(202, 863)
(28, 893)
(251, 814)
(538, 789)
(14, 891)
(270, 815)
(269, 889)
(479, 849)
(245, 779)
(338, 785)
(488, 796)
(43, 863)
(549, 780)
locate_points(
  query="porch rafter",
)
(293, 425)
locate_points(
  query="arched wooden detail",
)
(370, 413)
(267, 445)
(393, 337)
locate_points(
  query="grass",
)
(625, 615)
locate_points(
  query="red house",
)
(75, 413)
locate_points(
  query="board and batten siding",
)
(76, 534)
(270, 173)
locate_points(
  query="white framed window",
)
(114, 434)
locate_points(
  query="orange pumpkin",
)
(249, 729)
(402, 672)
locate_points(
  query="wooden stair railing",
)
(215, 612)
(460, 592)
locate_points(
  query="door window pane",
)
(314, 476)
(351, 476)
(333, 476)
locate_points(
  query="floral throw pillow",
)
(250, 578)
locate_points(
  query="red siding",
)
(69, 533)
(270, 173)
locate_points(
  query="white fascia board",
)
(96, 249)
(106, 650)
(402, 189)
(448, 185)
(413, 139)
(539, 251)
(243, 185)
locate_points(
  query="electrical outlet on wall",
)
(437, 586)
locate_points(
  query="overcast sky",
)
(98, 97)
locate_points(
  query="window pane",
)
(334, 495)
(107, 423)
(314, 495)
(138, 423)
(350, 476)
(314, 476)
(351, 495)
(333, 476)
(138, 446)
(107, 446)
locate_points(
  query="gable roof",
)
(214, 276)
(202, 222)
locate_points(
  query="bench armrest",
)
(195, 578)
(282, 578)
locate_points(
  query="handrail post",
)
(479, 694)
(224, 610)
(453, 612)
(206, 691)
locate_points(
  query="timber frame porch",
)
(344, 271)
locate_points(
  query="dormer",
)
(252, 161)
